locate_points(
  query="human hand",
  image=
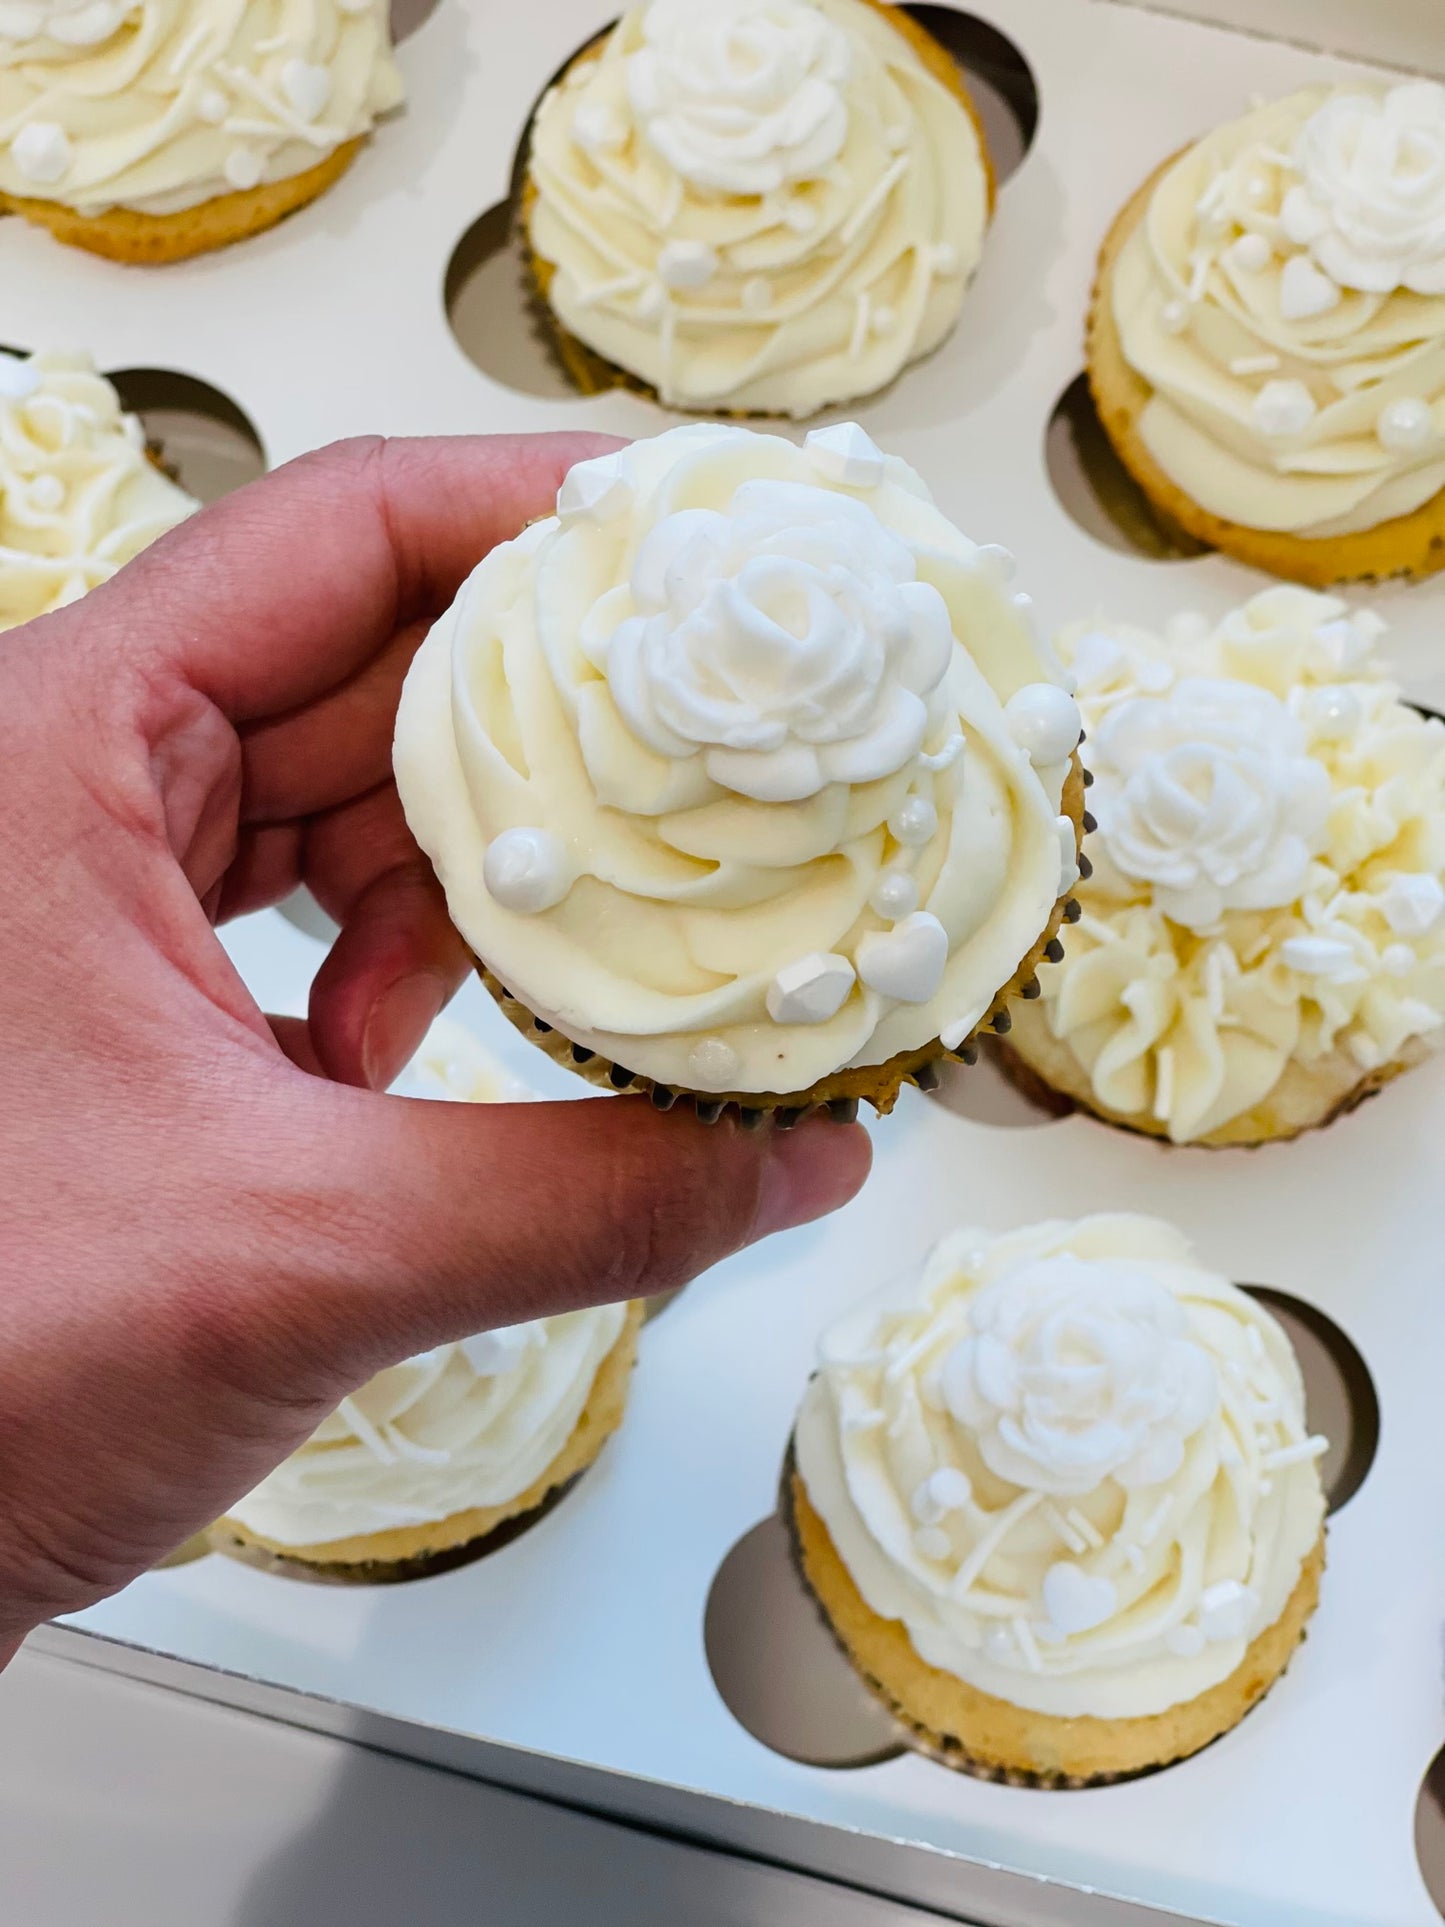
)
(214, 1227)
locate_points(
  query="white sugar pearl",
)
(1397, 959)
(1334, 713)
(945, 259)
(914, 822)
(884, 320)
(1044, 721)
(527, 870)
(894, 895)
(1174, 317)
(47, 492)
(212, 105)
(933, 1542)
(1404, 425)
(757, 294)
(242, 168)
(596, 126)
(17, 378)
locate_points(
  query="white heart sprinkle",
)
(1077, 1601)
(1304, 291)
(307, 87)
(906, 962)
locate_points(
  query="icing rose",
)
(787, 638)
(1206, 794)
(741, 96)
(1370, 205)
(1076, 1372)
(75, 23)
(1070, 1461)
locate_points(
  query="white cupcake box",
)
(573, 1662)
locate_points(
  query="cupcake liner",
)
(841, 1093)
(592, 374)
(1271, 1651)
(1410, 545)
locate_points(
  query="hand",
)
(214, 1227)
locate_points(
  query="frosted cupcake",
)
(1263, 935)
(1267, 343)
(149, 130)
(745, 775)
(79, 492)
(756, 206)
(1058, 1500)
(430, 1461)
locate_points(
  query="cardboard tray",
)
(573, 1663)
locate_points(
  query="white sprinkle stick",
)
(1312, 1448)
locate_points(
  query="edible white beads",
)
(713, 1065)
(527, 870)
(894, 895)
(914, 822)
(1283, 408)
(1044, 721)
(1404, 425)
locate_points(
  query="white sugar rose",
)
(786, 640)
(1370, 204)
(741, 96)
(75, 23)
(1075, 1372)
(1207, 795)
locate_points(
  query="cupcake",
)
(1262, 941)
(755, 206)
(745, 775)
(80, 493)
(1057, 1499)
(1267, 341)
(427, 1464)
(149, 131)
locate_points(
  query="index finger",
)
(287, 588)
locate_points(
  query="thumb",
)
(441, 1219)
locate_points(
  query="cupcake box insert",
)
(600, 1690)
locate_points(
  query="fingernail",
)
(399, 1020)
(810, 1172)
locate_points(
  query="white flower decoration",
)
(1074, 1372)
(1206, 795)
(741, 96)
(1370, 204)
(787, 641)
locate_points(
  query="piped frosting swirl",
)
(1072, 1462)
(1284, 298)
(757, 205)
(1269, 868)
(717, 770)
(79, 495)
(159, 105)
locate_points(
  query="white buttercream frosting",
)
(463, 1426)
(759, 205)
(79, 496)
(1284, 298)
(162, 104)
(1071, 1461)
(749, 721)
(1267, 885)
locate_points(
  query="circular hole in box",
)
(986, 1093)
(491, 301)
(778, 1668)
(1000, 82)
(1095, 489)
(409, 16)
(1340, 1397)
(206, 440)
(1430, 1831)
